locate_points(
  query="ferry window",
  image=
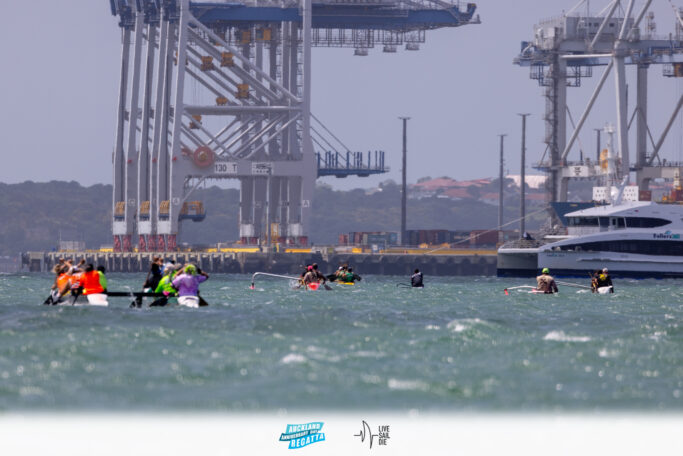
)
(604, 221)
(642, 247)
(583, 221)
(645, 222)
(617, 222)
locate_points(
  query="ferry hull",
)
(517, 263)
(580, 264)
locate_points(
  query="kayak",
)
(188, 301)
(605, 290)
(91, 300)
(191, 301)
(346, 283)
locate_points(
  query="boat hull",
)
(517, 263)
(580, 264)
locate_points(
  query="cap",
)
(310, 268)
(605, 270)
(545, 271)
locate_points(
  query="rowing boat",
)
(91, 300)
(188, 301)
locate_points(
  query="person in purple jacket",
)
(188, 282)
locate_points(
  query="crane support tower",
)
(565, 49)
(252, 60)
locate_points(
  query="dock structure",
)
(282, 263)
(252, 60)
(565, 49)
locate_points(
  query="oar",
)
(253, 278)
(569, 284)
(135, 294)
(404, 285)
(517, 288)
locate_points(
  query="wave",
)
(464, 324)
(293, 358)
(560, 336)
(407, 385)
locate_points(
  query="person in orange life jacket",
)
(61, 285)
(90, 281)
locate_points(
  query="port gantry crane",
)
(565, 49)
(254, 60)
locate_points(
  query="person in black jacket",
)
(416, 280)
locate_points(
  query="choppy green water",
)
(459, 344)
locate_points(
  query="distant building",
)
(446, 187)
(535, 181)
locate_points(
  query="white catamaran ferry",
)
(637, 239)
(633, 239)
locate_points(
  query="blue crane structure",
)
(565, 49)
(253, 60)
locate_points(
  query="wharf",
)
(473, 264)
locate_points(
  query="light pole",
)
(403, 184)
(500, 190)
(522, 208)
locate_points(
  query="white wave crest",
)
(463, 324)
(407, 385)
(560, 336)
(293, 358)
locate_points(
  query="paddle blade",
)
(313, 285)
(251, 287)
(506, 292)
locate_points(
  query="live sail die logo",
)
(380, 437)
(301, 435)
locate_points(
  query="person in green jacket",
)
(103, 278)
(165, 286)
(349, 276)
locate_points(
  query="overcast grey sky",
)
(61, 68)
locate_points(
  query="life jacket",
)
(103, 279)
(62, 281)
(165, 284)
(348, 277)
(91, 283)
(76, 278)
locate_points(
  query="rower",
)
(546, 282)
(604, 280)
(103, 279)
(61, 285)
(154, 275)
(90, 281)
(310, 276)
(416, 280)
(350, 276)
(165, 286)
(320, 277)
(341, 272)
(188, 282)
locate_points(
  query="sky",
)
(62, 62)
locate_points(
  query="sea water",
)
(459, 344)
